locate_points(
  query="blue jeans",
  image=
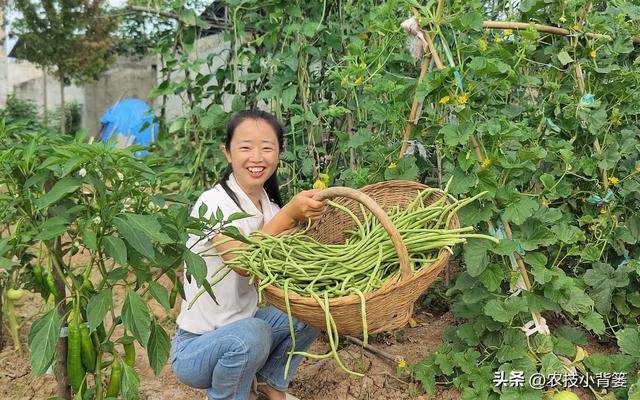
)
(226, 360)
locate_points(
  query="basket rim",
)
(392, 283)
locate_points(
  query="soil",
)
(315, 380)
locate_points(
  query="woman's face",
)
(253, 153)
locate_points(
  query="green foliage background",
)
(339, 74)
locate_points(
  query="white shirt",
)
(236, 297)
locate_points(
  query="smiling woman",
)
(223, 346)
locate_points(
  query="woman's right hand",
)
(303, 206)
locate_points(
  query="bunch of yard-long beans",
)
(367, 260)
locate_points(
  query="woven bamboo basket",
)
(389, 307)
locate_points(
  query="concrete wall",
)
(127, 78)
(29, 83)
(214, 44)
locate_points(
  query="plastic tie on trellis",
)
(537, 325)
(456, 73)
(418, 43)
(624, 262)
(597, 200)
(519, 249)
(587, 99)
(411, 149)
(551, 125)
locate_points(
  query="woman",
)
(224, 347)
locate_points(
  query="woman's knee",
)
(255, 340)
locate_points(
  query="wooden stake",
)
(414, 108)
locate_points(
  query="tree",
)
(72, 39)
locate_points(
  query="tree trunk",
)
(46, 105)
(62, 108)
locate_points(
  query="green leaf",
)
(593, 321)
(568, 233)
(158, 348)
(160, 293)
(564, 58)
(590, 252)
(604, 279)
(176, 125)
(505, 247)
(196, 266)
(492, 277)
(130, 382)
(90, 240)
(504, 311)
(578, 302)
(475, 256)
(136, 238)
(536, 258)
(148, 224)
(629, 341)
(43, 338)
(188, 16)
(135, 316)
(550, 364)
(58, 191)
(52, 228)
(598, 363)
(116, 249)
(472, 20)
(288, 96)
(98, 307)
(520, 209)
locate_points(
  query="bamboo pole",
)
(581, 88)
(520, 263)
(414, 108)
(545, 28)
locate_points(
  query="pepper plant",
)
(60, 199)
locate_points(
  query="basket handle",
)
(368, 202)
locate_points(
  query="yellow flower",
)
(546, 201)
(482, 44)
(486, 163)
(613, 180)
(358, 81)
(392, 165)
(402, 363)
(576, 27)
(507, 32)
(363, 66)
(499, 40)
(319, 184)
(593, 227)
(638, 168)
(603, 210)
(593, 54)
(462, 100)
(562, 19)
(444, 100)
(363, 36)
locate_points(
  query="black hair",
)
(271, 185)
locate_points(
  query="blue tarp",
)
(124, 120)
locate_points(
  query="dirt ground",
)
(315, 380)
